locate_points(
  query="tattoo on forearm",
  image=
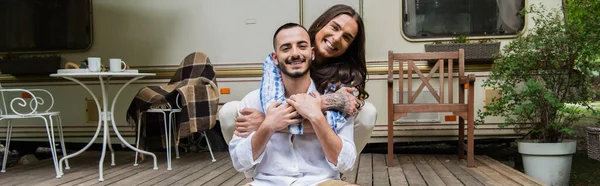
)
(336, 101)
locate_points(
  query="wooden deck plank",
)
(38, 175)
(149, 174)
(24, 176)
(447, 177)
(121, 171)
(461, 174)
(380, 173)
(219, 180)
(149, 177)
(125, 173)
(20, 168)
(77, 164)
(413, 176)
(507, 171)
(181, 175)
(211, 175)
(73, 174)
(365, 176)
(430, 176)
(350, 177)
(396, 174)
(235, 180)
(495, 175)
(108, 172)
(199, 171)
(476, 173)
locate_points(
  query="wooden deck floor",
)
(197, 169)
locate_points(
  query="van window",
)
(451, 18)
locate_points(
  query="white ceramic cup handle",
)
(124, 66)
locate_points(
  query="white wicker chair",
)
(17, 107)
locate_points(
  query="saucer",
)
(63, 71)
(126, 71)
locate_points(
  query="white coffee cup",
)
(117, 65)
(94, 64)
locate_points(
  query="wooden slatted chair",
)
(465, 111)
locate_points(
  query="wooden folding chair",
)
(465, 111)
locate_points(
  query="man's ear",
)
(312, 53)
(274, 56)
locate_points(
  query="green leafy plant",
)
(487, 40)
(540, 74)
(465, 40)
(461, 39)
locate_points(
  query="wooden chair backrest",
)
(442, 58)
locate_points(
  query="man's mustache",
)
(293, 60)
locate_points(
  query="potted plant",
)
(475, 50)
(538, 76)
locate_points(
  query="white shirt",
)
(286, 162)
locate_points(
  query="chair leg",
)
(137, 139)
(461, 137)
(174, 128)
(470, 143)
(62, 140)
(6, 147)
(209, 149)
(167, 140)
(471, 127)
(390, 143)
(50, 132)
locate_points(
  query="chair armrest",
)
(466, 79)
(19, 101)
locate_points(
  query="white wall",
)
(158, 32)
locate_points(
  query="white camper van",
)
(154, 35)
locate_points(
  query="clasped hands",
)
(307, 105)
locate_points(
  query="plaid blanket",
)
(271, 90)
(196, 84)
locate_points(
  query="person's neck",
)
(295, 85)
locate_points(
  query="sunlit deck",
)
(197, 169)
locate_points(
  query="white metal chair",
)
(169, 128)
(21, 109)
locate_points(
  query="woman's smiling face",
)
(335, 37)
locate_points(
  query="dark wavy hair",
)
(349, 68)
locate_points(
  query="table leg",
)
(112, 152)
(60, 162)
(114, 125)
(106, 132)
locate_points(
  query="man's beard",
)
(294, 74)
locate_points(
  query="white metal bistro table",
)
(105, 114)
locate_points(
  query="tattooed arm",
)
(250, 119)
(342, 100)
